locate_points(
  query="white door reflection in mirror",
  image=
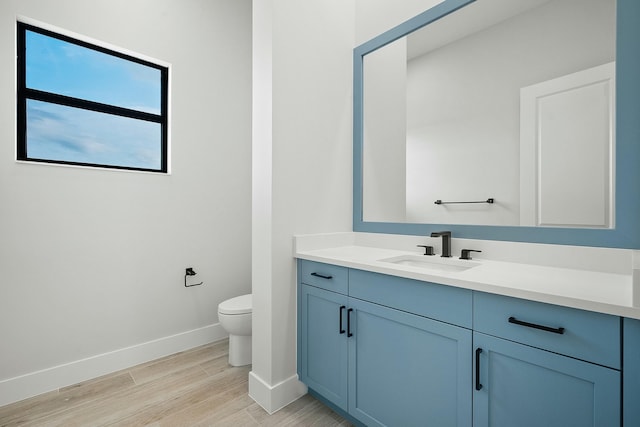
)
(566, 150)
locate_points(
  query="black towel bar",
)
(440, 202)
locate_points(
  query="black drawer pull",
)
(536, 326)
(349, 334)
(322, 276)
(478, 385)
(342, 307)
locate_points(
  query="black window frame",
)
(24, 94)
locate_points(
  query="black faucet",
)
(446, 242)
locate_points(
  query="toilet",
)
(235, 317)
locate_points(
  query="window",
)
(83, 104)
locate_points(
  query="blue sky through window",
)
(70, 134)
(57, 66)
(65, 133)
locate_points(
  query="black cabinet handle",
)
(478, 352)
(342, 307)
(322, 276)
(536, 326)
(349, 334)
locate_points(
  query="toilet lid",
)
(238, 305)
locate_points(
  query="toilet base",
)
(239, 350)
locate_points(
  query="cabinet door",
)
(323, 345)
(528, 387)
(407, 370)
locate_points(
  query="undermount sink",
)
(432, 263)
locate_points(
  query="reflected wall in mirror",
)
(503, 99)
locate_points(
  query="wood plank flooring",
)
(192, 388)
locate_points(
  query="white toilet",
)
(235, 317)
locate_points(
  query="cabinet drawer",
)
(325, 276)
(445, 303)
(585, 335)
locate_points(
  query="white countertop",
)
(603, 292)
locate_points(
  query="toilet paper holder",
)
(189, 272)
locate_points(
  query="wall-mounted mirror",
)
(499, 113)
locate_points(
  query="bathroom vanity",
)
(390, 343)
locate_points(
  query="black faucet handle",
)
(428, 250)
(466, 253)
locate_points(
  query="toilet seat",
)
(238, 305)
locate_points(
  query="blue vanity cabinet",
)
(378, 361)
(410, 354)
(544, 365)
(407, 370)
(323, 347)
(390, 351)
(519, 385)
(322, 337)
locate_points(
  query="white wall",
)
(92, 261)
(374, 17)
(384, 130)
(302, 153)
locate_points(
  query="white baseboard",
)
(273, 398)
(35, 383)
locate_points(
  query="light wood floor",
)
(193, 388)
